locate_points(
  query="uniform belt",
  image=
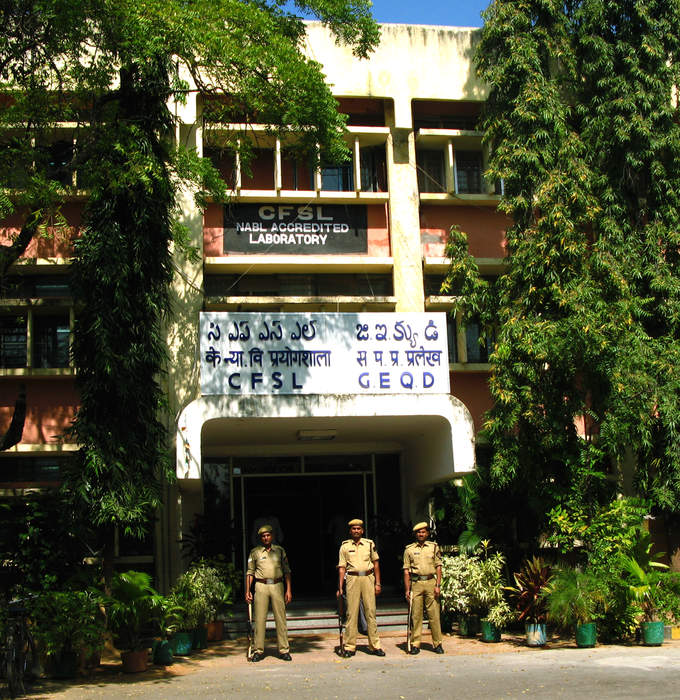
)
(360, 573)
(269, 580)
(421, 577)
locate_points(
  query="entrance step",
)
(312, 618)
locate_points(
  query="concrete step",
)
(310, 618)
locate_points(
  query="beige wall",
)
(411, 62)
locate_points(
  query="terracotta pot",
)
(135, 661)
(215, 631)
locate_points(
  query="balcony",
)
(274, 176)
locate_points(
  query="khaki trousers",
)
(360, 588)
(423, 595)
(264, 593)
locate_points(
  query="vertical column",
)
(357, 164)
(404, 215)
(277, 165)
(450, 164)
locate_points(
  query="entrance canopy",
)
(434, 432)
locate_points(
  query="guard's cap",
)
(356, 521)
(265, 528)
(420, 526)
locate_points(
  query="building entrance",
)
(308, 501)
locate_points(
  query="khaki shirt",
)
(359, 556)
(268, 564)
(424, 559)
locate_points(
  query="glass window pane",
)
(451, 338)
(431, 171)
(13, 341)
(267, 465)
(51, 341)
(475, 351)
(339, 178)
(338, 463)
(469, 172)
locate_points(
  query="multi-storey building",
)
(344, 390)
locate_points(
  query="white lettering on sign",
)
(323, 353)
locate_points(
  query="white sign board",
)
(323, 353)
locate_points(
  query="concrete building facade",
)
(313, 368)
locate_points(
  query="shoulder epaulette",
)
(346, 541)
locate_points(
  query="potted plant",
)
(217, 580)
(455, 596)
(200, 594)
(578, 598)
(486, 592)
(169, 618)
(645, 586)
(67, 625)
(134, 608)
(532, 583)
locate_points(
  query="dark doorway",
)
(312, 511)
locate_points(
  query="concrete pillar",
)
(404, 217)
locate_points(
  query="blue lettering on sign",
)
(214, 335)
(384, 380)
(407, 380)
(232, 378)
(364, 382)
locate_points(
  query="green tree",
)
(111, 71)
(581, 125)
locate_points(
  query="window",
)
(476, 352)
(469, 172)
(299, 285)
(12, 342)
(337, 178)
(431, 173)
(373, 169)
(452, 337)
(224, 161)
(31, 469)
(51, 341)
(59, 156)
(28, 287)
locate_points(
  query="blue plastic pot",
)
(536, 634)
(181, 643)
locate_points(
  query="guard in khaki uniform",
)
(422, 578)
(359, 572)
(268, 568)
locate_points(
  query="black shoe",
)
(347, 653)
(285, 657)
(378, 652)
(257, 656)
(414, 650)
(439, 649)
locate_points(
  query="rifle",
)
(249, 653)
(409, 622)
(341, 621)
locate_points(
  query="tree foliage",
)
(111, 72)
(582, 126)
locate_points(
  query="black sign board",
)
(296, 229)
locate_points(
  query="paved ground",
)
(470, 669)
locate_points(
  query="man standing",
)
(422, 579)
(268, 567)
(359, 572)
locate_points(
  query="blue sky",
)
(465, 13)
